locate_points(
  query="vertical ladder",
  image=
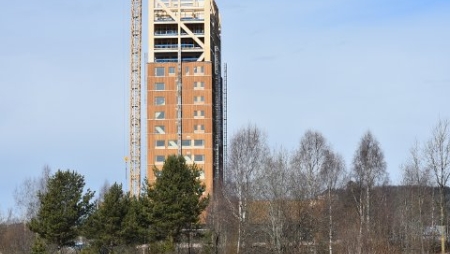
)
(179, 104)
(217, 117)
(225, 116)
(179, 88)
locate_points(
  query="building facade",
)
(184, 87)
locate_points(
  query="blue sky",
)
(341, 67)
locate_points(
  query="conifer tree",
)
(104, 226)
(177, 199)
(63, 208)
(136, 223)
(39, 246)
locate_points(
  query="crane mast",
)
(135, 98)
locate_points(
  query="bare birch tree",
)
(307, 164)
(103, 190)
(369, 170)
(248, 150)
(333, 175)
(274, 190)
(309, 159)
(26, 197)
(17, 238)
(416, 179)
(438, 159)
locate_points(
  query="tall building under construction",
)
(185, 91)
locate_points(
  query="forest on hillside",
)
(272, 201)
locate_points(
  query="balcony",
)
(174, 60)
(166, 33)
(164, 19)
(193, 19)
(184, 46)
(175, 33)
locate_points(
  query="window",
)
(199, 128)
(201, 175)
(160, 100)
(186, 70)
(199, 99)
(186, 142)
(160, 143)
(188, 158)
(159, 158)
(173, 144)
(199, 85)
(199, 158)
(199, 142)
(199, 70)
(159, 86)
(171, 71)
(160, 115)
(160, 129)
(199, 113)
(159, 71)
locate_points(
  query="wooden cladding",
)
(197, 114)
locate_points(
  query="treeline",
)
(64, 218)
(308, 200)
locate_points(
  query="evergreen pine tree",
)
(137, 221)
(63, 208)
(177, 199)
(39, 246)
(104, 225)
